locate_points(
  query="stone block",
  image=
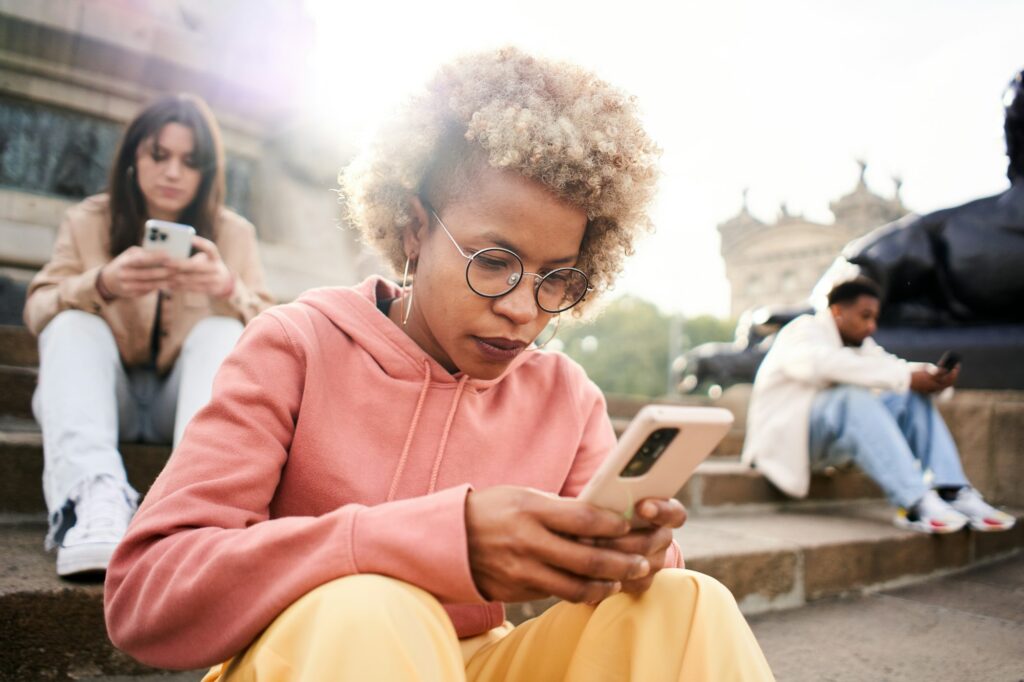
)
(837, 568)
(59, 14)
(1007, 454)
(986, 545)
(761, 576)
(17, 347)
(735, 484)
(18, 385)
(21, 469)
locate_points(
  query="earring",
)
(538, 346)
(406, 307)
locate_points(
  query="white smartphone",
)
(655, 456)
(174, 239)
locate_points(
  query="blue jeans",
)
(896, 438)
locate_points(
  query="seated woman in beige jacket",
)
(129, 339)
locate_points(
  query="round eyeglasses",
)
(495, 271)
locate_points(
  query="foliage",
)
(626, 349)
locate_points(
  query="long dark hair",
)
(128, 206)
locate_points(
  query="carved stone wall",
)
(73, 73)
(779, 263)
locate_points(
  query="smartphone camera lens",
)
(163, 237)
(153, 232)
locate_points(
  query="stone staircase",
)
(773, 553)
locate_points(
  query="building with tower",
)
(778, 263)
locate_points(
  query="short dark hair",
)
(847, 292)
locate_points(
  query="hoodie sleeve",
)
(203, 568)
(596, 443)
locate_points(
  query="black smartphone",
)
(949, 360)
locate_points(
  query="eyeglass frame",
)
(522, 267)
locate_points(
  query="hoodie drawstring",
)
(412, 431)
(444, 435)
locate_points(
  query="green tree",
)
(705, 328)
(626, 349)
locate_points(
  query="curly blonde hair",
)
(551, 122)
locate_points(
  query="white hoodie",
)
(807, 356)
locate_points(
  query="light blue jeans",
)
(896, 438)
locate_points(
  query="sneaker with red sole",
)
(931, 515)
(983, 516)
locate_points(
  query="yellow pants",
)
(368, 627)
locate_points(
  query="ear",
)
(836, 310)
(416, 231)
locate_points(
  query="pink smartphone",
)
(655, 456)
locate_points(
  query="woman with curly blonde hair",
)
(382, 466)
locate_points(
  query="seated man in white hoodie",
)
(827, 395)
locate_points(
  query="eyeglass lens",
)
(494, 272)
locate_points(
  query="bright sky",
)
(780, 97)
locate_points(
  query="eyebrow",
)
(499, 240)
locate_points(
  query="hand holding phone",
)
(949, 361)
(174, 239)
(656, 455)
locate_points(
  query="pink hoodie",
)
(334, 445)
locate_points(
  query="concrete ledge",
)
(770, 561)
(16, 387)
(21, 467)
(722, 486)
(821, 553)
(18, 347)
(51, 629)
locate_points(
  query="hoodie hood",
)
(353, 310)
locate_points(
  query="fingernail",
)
(616, 588)
(640, 569)
(649, 509)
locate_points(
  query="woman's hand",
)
(523, 546)
(652, 542)
(204, 272)
(136, 272)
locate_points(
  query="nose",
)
(173, 167)
(518, 305)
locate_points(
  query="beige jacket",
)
(68, 282)
(807, 356)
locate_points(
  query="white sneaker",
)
(102, 512)
(983, 516)
(931, 515)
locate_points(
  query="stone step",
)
(21, 466)
(51, 629)
(786, 558)
(18, 347)
(718, 486)
(772, 560)
(16, 387)
(724, 486)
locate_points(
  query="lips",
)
(499, 349)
